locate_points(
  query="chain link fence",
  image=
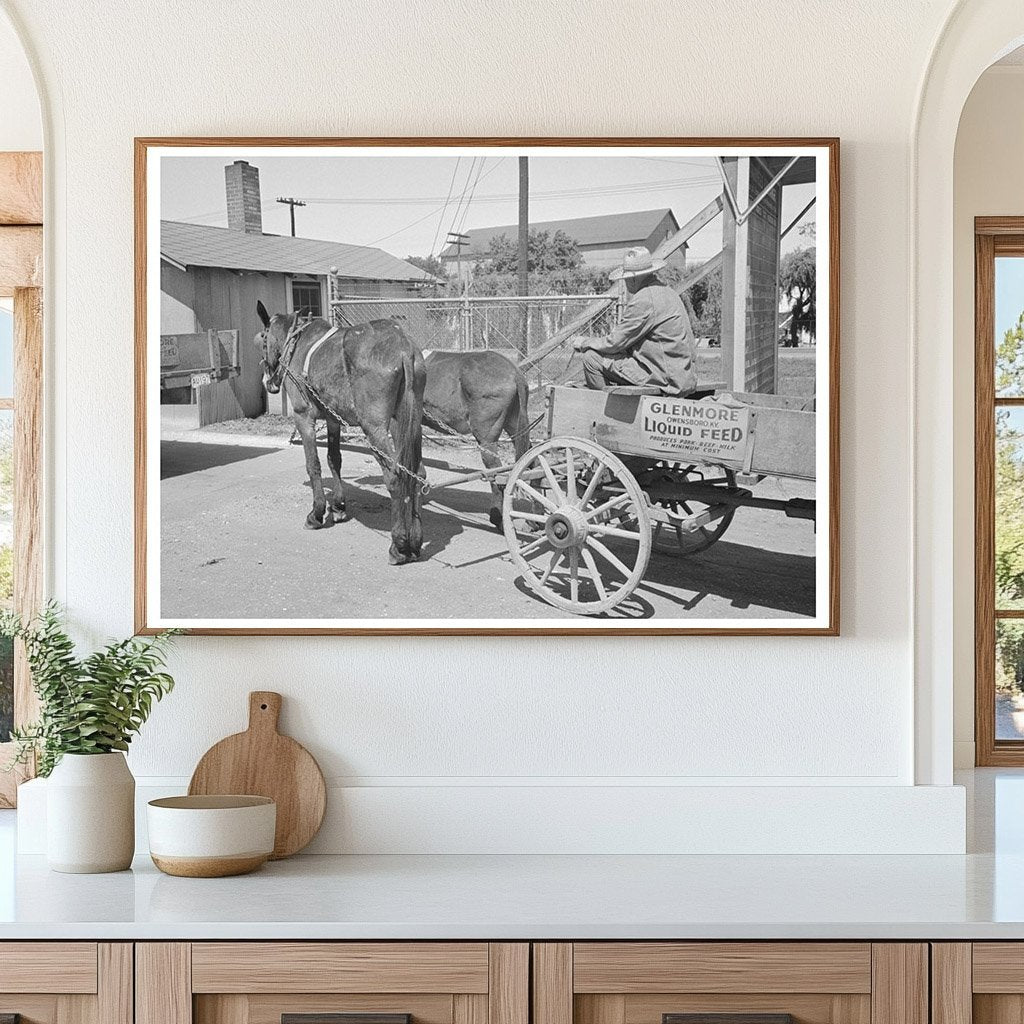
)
(516, 326)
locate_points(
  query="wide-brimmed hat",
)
(637, 262)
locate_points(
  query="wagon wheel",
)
(670, 538)
(577, 525)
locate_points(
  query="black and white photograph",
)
(479, 386)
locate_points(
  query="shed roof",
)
(199, 245)
(603, 229)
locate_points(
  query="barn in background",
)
(210, 281)
(602, 239)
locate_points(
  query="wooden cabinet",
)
(66, 982)
(978, 983)
(758, 982)
(264, 982)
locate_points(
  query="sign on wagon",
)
(707, 431)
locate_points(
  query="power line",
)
(451, 185)
(598, 190)
(472, 192)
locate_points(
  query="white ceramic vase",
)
(90, 814)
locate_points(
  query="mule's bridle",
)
(291, 340)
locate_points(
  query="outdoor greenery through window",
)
(1009, 496)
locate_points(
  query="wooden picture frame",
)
(823, 621)
(993, 237)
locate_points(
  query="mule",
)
(483, 394)
(370, 376)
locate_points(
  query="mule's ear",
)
(261, 312)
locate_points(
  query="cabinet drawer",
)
(332, 983)
(634, 967)
(66, 982)
(730, 983)
(340, 967)
(64, 967)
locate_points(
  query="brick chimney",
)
(243, 190)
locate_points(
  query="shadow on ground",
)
(180, 457)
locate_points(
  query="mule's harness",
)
(306, 387)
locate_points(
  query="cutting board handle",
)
(264, 710)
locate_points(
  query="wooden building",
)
(212, 277)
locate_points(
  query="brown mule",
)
(370, 376)
(483, 394)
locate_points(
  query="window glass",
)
(1009, 327)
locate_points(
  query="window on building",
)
(307, 293)
(999, 491)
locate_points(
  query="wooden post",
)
(524, 247)
(735, 285)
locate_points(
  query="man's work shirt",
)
(655, 331)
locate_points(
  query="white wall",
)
(432, 715)
(21, 126)
(987, 181)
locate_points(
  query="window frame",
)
(21, 272)
(993, 237)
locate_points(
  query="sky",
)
(401, 204)
(6, 353)
(1009, 293)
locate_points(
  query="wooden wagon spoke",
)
(612, 531)
(530, 517)
(534, 546)
(570, 475)
(541, 499)
(552, 482)
(595, 481)
(588, 559)
(556, 557)
(619, 499)
(609, 556)
(574, 575)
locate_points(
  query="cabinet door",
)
(332, 983)
(980, 982)
(730, 983)
(65, 983)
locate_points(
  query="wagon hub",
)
(566, 528)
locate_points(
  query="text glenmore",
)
(719, 421)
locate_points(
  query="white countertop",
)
(496, 897)
(977, 896)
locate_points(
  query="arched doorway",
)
(977, 33)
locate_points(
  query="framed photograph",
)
(499, 386)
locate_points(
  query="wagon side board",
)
(782, 440)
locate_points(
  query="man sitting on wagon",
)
(653, 342)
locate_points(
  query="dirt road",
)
(234, 546)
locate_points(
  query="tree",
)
(431, 264)
(704, 302)
(797, 283)
(554, 264)
(1009, 508)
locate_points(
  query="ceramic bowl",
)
(211, 836)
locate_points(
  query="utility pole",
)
(292, 203)
(458, 240)
(524, 245)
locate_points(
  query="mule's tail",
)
(517, 421)
(409, 417)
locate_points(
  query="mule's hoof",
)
(495, 517)
(339, 515)
(396, 557)
(314, 522)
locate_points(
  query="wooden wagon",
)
(626, 470)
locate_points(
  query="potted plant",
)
(89, 710)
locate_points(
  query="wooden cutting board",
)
(262, 762)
